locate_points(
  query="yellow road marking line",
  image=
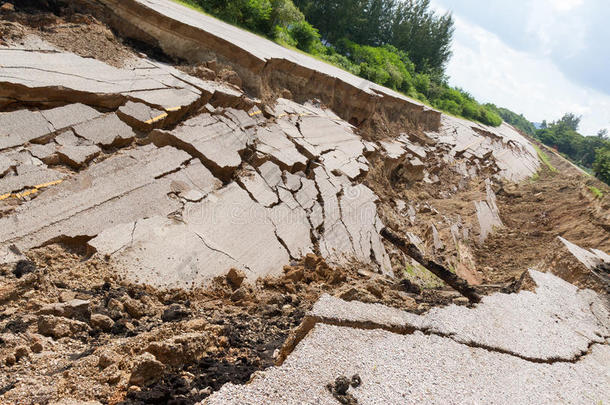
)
(173, 109)
(33, 190)
(157, 118)
(255, 113)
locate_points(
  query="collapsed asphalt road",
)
(165, 228)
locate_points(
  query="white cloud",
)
(524, 82)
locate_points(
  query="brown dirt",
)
(535, 213)
(238, 330)
(73, 32)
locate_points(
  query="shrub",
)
(305, 35)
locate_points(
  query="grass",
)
(419, 275)
(596, 192)
(544, 158)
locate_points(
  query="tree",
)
(570, 120)
(602, 133)
(601, 167)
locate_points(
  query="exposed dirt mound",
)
(535, 213)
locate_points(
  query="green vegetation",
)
(590, 152)
(402, 45)
(421, 276)
(596, 192)
(516, 120)
(544, 158)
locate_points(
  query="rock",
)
(342, 385)
(231, 77)
(37, 346)
(58, 327)
(235, 278)
(10, 360)
(287, 94)
(296, 275)
(6, 7)
(66, 296)
(204, 73)
(21, 352)
(134, 308)
(107, 358)
(147, 370)
(110, 375)
(356, 381)
(115, 305)
(175, 312)
(23, 267)
(101, 322)
(74, 309)
(239, 294)
(183, 349)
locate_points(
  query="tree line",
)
(590, 152)
(400, 44)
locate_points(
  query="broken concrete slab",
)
(141, 116)
(591, 259)
(108, 130)
(69, 115)
(293, 229)
(19, 127)
(120, 189)
(226, 230)
(415, 369)
(256, 186)
(28, 177)
(46, 153)
(213, 141)
(77, 156)
(488, 213)
(553, 324)
(274, 144)
(476, 354)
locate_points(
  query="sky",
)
(540, 58)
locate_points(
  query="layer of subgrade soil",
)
(225, 332)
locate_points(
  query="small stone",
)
(175, 312)
(23, 267)
(7, 7)
(286, 94)
(342, 385)
(212, 65)
(107, 358)
(235, 278)
(21, 352)
(36, 347)
(58, 327)
(146, 370)
(75, 309)
(66, 296)
(101, 322)
(204, 73)
(356, 381)
(115, 305)
(461, 301)
(10, 360)
(134, 308)
(239, 294)
(230, 76)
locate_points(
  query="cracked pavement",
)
(516, 348)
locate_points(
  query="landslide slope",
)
(176, 194)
